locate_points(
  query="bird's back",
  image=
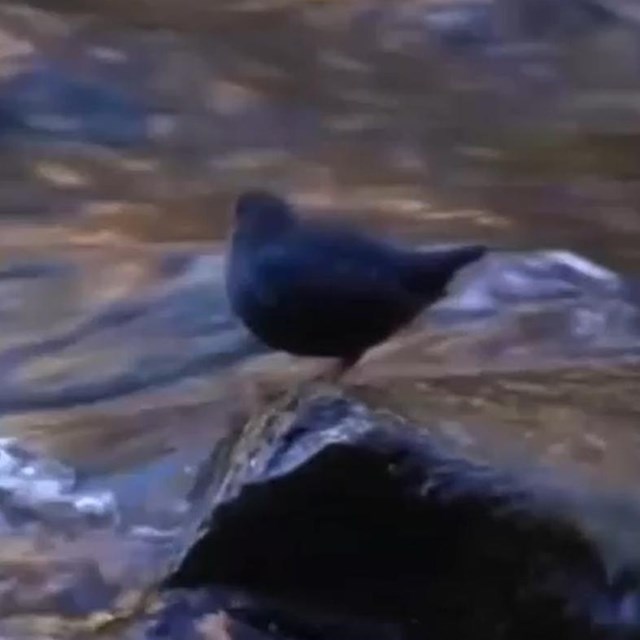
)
(428, 273)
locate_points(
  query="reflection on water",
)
(120, 365)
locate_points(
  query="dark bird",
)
(317, 289)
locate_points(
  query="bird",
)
(310, 287)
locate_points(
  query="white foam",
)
(582, 265)
(42, 489)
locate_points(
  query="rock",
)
(330, 512)
(219, 614)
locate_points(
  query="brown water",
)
(120, 363)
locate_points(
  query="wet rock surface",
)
(336, 510)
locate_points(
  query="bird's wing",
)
(327, 274)
(428, 273)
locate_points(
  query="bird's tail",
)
(429, 272)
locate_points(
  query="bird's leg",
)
(261, 387)
(335, 371)
(264, 389)
(345, 364)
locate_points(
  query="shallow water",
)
(121, 151)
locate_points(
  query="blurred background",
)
(126, 131)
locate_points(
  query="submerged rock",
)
(342, 522)
(51, 103)
(479, 25)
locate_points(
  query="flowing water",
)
(124, 137)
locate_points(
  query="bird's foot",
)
(329, 375)
(260, 391)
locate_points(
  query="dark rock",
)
(547, 18)
(333, 512)
(463, 25)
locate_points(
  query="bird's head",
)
(262, 213)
